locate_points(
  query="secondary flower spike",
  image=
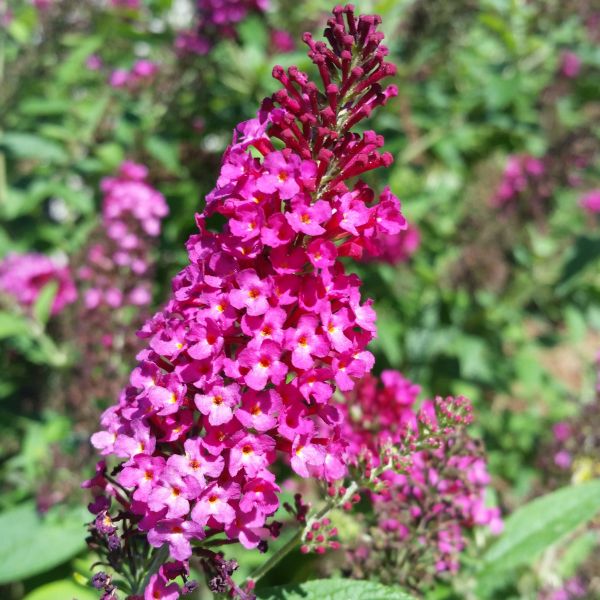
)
(264, 323)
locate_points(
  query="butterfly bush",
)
(263, 325)
(420, 515)
(24, 276)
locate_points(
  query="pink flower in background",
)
(590, 201)
(118, 264)
(282, 41)
(141, 73)
(119, 78)
(217, 19)
(443, 487)
(128, 4)
(93, 62)
(42, 4)
(521, 172)
(570, 64)
(24, 276)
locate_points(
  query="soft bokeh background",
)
(495, 295)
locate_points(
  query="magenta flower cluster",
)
(264, 323)
(116, 266)
(443, 485)
(521, 171)
(24, 276)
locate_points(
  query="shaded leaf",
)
(28, 145)
(536, 526)
(334, 589)
(64, 589)
(30, 544)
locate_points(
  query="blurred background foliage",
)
(499, 305)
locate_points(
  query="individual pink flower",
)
(214, 503)
(218, 404)
(177, 533)
(159, 589)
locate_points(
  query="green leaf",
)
(164, 152)
(62, 589)
(43, 305)
(586, 252)
(28, 145)
(536, 526)
(30, 544)
(334, 589)
(11, 325)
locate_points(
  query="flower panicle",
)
(263, 325)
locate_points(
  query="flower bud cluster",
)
(264, 323)
(423, 507)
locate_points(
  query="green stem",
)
(274, 559)
(160, 557)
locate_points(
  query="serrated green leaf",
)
(334, 589)
(536, 526)
(30, 544)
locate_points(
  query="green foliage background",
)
(504, 312)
